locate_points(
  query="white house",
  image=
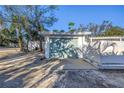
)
(65, 44)
(76, 45)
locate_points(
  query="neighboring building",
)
(65, 44)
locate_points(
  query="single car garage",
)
(65, 45)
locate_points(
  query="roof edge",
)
(64, 33)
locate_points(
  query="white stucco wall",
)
(33, 44)
(47, 47)
(107, 49)
(114, 47)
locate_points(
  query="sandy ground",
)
(28, 70)
(4, 52)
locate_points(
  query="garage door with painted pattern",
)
(63, 48)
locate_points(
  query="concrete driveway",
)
(76, 64)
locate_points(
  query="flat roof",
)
(65, 33)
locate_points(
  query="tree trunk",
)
(27, 45)
(20, 42)
(41, 48)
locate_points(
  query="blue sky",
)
(87, 14)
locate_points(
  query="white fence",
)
(109, 45)
(104, 49)
(107, 38)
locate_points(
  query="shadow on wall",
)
(94, 50)
(63, 48)
(67, 48)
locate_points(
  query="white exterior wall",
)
(80, 46)
(47, 47)
(33, 44)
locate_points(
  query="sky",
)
(88, 14)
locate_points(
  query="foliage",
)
(27, 21)
(92, 27)
(55, 30)
(114, 31)
(71, 26)
(7, 37)
(62, 31)
(99, 29)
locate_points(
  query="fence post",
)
(120, 38)
(91, 40)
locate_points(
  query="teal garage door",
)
(63, 48)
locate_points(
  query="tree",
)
(43, 16)
(12, 18)
(55, 30)
(7, 37)
(82, 28)
(99, 29)
(114, 31)
(62, 30)
(18, 28)
(28, 20)
(71, 26)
